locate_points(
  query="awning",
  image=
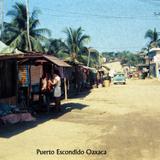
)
(56, 61)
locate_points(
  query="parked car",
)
(119, 78)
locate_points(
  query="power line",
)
(75, 17)
(73, 14)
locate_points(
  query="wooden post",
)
(65, 88)
(68, 85)
(29, 87)
(17, 83)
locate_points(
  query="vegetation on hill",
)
(125, 57)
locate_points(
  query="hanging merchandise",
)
(24, 76)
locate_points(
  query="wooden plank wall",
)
(8, 78)
(36, 74)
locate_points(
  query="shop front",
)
(20, 84)
(10, 111)
(32, 68)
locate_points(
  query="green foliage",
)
(152, 35)
(75, 40)
(94, 56)
(62, 55)
(16, 30)
(124, 57)
(83, 59)
(57, 47)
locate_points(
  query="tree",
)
(16, 30)
(75, 40)
(125, 57)
(153, 36)
(58, 48)
(91, 55)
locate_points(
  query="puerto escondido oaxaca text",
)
(71, 152)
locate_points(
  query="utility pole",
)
(28, 30)
(1, 18)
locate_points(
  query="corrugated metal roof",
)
(7, 50)
(154, 49)
(56, 61)
(2, 46)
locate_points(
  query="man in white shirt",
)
(56, 82)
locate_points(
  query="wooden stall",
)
(36, 65)
(8, 78)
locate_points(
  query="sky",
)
(113, 25)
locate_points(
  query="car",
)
(119, 78)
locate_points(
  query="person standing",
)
(97, 79)
(56, 82)
(46, 87)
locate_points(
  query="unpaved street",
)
(124, 120)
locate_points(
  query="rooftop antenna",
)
(1, 18)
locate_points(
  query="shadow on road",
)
(8, 131)
(81, 94)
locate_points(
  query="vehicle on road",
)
(119, 78)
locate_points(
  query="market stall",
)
(10, 109)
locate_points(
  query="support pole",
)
(89, 54)
(17, 83)
(65, 88)
(30, 85)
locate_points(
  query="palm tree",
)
(90, 57)
(153, 36)
(58, 48)
(16, 30)
(56, 45)
(75, 40)
(154, 42)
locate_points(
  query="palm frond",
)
(36, 45)
(16, 33)
(75, 39)
(83, 39)
(42, 31)
(33, 23)
(35, 13)
(17, 41)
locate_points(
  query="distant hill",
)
(124, 57)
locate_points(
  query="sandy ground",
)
(123, 120)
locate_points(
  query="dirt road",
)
(123, 120)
